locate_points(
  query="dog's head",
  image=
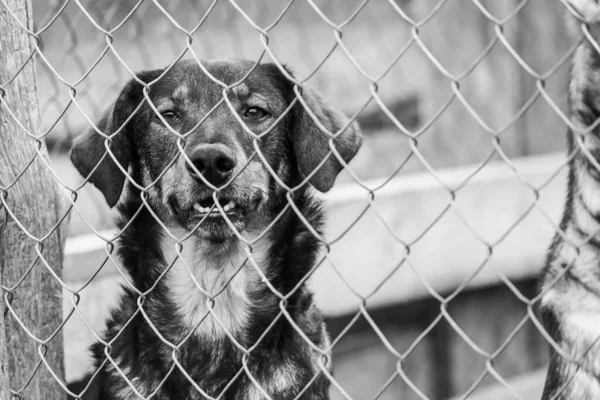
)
(217, 157)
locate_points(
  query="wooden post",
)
(36, 204)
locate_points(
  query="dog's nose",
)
(214, 161)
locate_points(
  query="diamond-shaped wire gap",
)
(512, 335)
(45, 14)
(524, 220)
(302, 52)
(336, 90)
(508, 349)
(262, 13)
(13, 210)
(361, 38)
(14, 310)
(93, 270)
(418, 14)
(439, 117)
(243, 27)
(524, 47)
(83, 42)
(295, 34)
(47, 269)
(444, 35)
(158, 47)
(402, 325)
(136, 31)
(80, 77)
(51, 106)
(386, 221)
(84, 390)
(339, 13)
(478, 119)
(47, 357)
(191, 13)
(539, 117)
(476, 197)
(428, 322)
(34, 269)
(526, 89)
(53, 112)
(107, 347)
(319, 50)
(91, 208)
(401, 77)
(500, 15)
(85, 327)
(18, 172)
(345, 229)
(104, 81)
(481, 149)
(462, 273)
(223, 34)
(541, 87)
(109, 39)
(423, 231)
(374, 177)
(106, 13)
(13, 306)
(165, 25)
(91, 212)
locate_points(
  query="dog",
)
(570, 282)
(220, 228)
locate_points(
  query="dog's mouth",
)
(216, 219)
(208, 208)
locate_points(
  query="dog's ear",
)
(88, 152)
(311, 143)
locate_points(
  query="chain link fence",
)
(460, 103)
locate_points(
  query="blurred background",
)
(427, 286)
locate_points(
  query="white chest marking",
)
(210, 285)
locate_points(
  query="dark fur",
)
(570, 283)
(282, 361)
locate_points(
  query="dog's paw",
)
(586, 10)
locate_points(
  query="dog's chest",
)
(210, 287)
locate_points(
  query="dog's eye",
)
(169, 115)
(255, 113)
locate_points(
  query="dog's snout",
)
(214, 161)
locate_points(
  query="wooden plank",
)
(36, 206)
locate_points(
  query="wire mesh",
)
(370, 57)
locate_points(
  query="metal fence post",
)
(30, 209)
